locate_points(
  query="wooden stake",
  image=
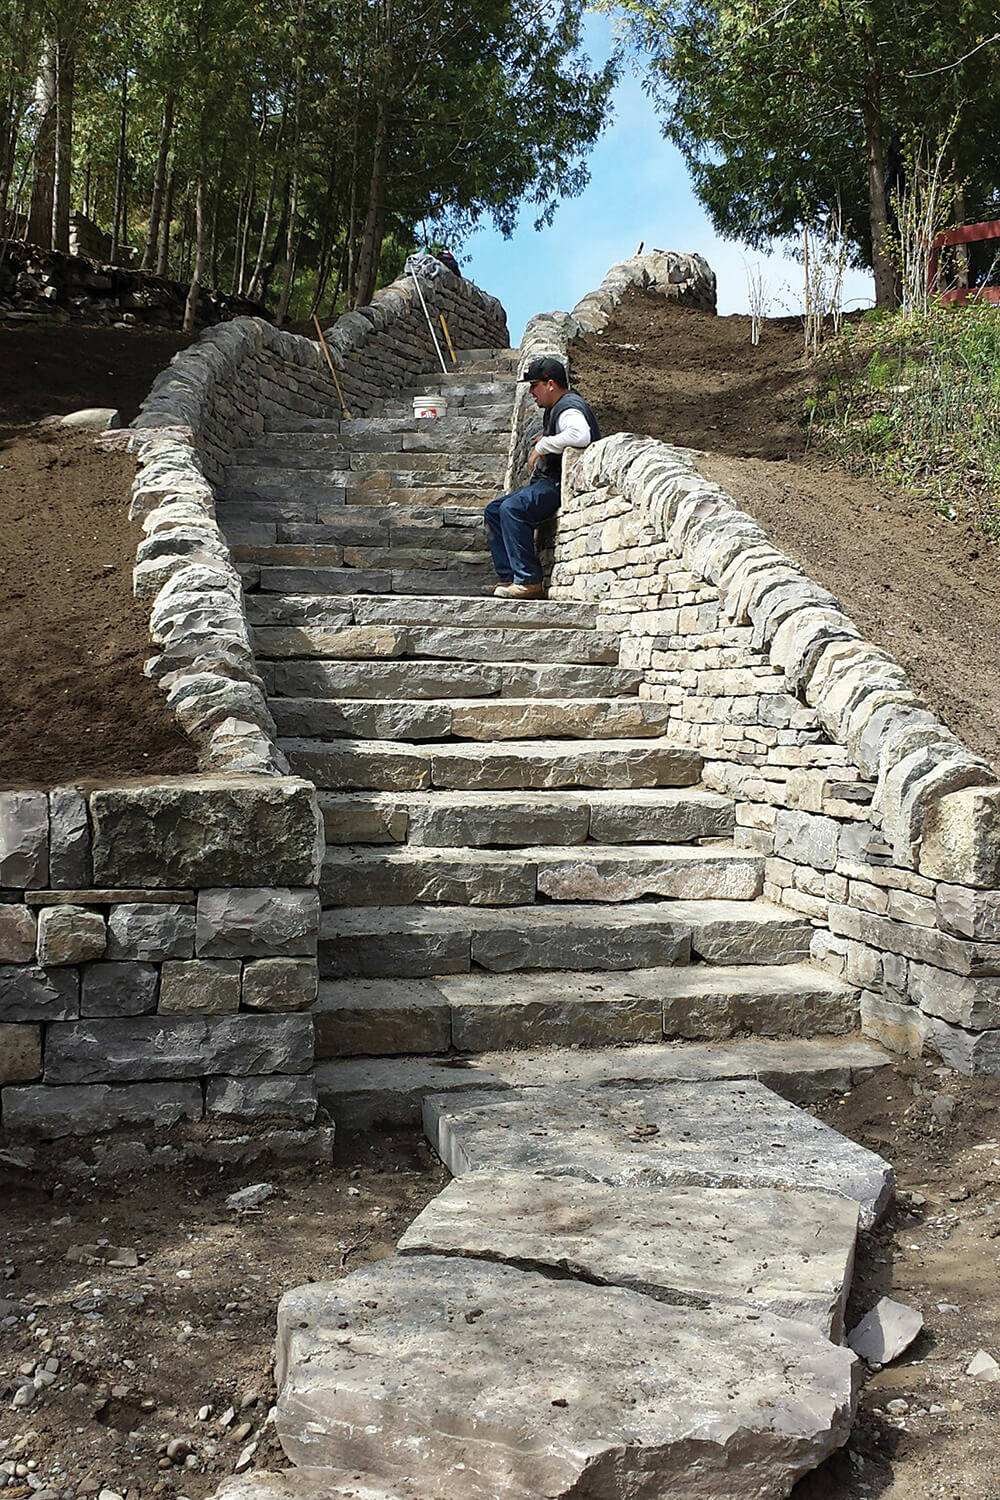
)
(322, 344)
(447, 335)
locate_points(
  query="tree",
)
(786, 111)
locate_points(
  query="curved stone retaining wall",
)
(876, 822)
(158, 940)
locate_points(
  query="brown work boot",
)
(519, 591)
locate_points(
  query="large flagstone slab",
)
(727, 1134)
(485, 1382)
(786, 1253)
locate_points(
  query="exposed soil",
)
(176, 1349)
(924, 587)
(180, 1345)
(72, 638)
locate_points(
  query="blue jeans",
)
(510, 529)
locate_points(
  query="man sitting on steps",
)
(510, 521)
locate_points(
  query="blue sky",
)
(639, 190)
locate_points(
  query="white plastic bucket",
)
(429, 406)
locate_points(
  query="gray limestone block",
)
(18, 931)
(316, 1484)
(280, 984)
(24, 840)
(257, 923)
(70, 935)
(968, 1052)
(712, 1134)
(257, 1098)
(207, 987)
(97, 1107)
(151, 932)
(118, 989)
(167, 1047)
(404, 1359)
(961, 911)
(69, 839)
(963, 1001)
(30, 993)
(791, 1254)
(20, 1053)
(961, 838)
(806, 839)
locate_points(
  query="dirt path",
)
(925, 588)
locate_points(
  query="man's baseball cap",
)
(546, 369)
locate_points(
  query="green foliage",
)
(780, 109)
(280, 111)
(914, 399)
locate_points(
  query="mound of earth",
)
(72, 638)
(924, 587)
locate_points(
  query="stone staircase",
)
(497, 796)
(636, 1283)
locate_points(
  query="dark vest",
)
(550, 464)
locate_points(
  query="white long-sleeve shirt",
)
(572, 431)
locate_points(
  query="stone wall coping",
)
(939, 804)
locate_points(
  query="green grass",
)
(915, 400)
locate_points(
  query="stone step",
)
(380, 525)
(301, 450)
(470, 718)
(438, 466)
(361, 1092)
(382, 765)
(297, 580)
(443, 642)
(383, 488)
(457, 423)
(322, 555)
(477, 1381)
(461, 385)
(786, 1253)
(485, 612)
(444, 679)
(709, 1134)
(391, 942)
(607, 873)
(480, 819)
(491, 1013)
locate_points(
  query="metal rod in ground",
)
(447, 335)
(430, 325)
(322, 343)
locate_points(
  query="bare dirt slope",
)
(72, 638)
(924, 587)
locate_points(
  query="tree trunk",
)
(191, 306)
(371, 243)
(293, 207)
(65, 73)
(118, 230)
(255, 289)
(39, 230)
(886, 276)
(280, 236)
(243, 239)
(163, 254)
(159, 184)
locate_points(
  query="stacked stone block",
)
(874, 821)
(157, 953)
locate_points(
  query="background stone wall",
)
(158, 941)
(157, 953)
(874, 820)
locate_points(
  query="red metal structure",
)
(967, 234)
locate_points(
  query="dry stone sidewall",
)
(158, 941)
(875, 822)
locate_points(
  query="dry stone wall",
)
(158, 940)
(874, 820)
